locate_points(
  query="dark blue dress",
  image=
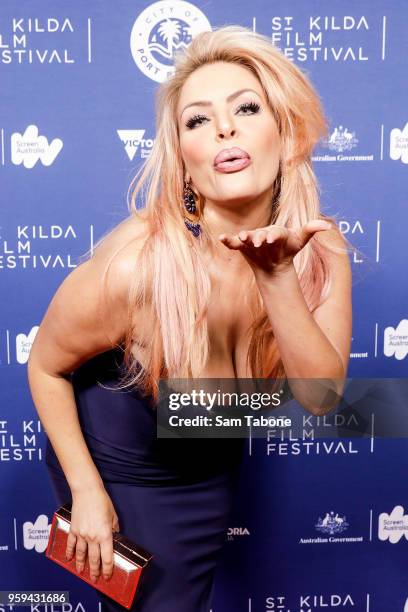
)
(172, 496)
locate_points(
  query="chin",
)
(236, 198)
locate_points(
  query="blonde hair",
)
(171, 275)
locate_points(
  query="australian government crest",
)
(340, 141)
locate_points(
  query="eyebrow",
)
(229, 99)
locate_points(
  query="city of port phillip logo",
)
(331, 523)
(341, 139)
(160, 31)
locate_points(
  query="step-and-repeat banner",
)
(318, 523)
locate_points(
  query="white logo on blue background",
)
(399, 144)
(132, 139)
(28, 148)
(36, 535)
(341, 139)
(396, 340)
(332, 523)
(24, 343)
(237, 531)
(393, 526)
(161, 30)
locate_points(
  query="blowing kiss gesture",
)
(270, 250)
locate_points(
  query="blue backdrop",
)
(311, 527)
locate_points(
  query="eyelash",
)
(253, 106)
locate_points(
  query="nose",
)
(225, 129)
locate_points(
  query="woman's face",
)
(221, 116)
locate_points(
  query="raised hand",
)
(270, 250)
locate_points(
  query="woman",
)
(229, 271)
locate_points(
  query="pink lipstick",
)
(231, 160)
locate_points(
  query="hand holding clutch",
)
(129, 560)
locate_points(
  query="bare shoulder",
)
(117, 256)
(88, 313)
(130, 231)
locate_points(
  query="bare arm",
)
(72, 331)
(81, 322)
(313, 345)
(54, 399)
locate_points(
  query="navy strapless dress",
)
(172, 496)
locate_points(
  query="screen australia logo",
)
(24, 343)
(393, 526)
(30, 147)
(396, 340)
(36, 535)
(399, 144)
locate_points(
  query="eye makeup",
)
(197, 119)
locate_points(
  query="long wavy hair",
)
(172, 278)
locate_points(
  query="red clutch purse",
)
(129, 560)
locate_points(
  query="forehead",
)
(214, 82)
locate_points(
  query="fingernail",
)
(106, 578)
(93, 578)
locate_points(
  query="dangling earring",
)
(191, 207)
